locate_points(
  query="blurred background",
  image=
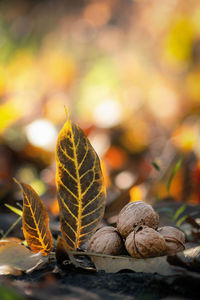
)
(129, 73)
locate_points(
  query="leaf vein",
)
(99, 193)
(67, 189)
(66, 206)
(63, 167)
(84, 157)
(65, 153)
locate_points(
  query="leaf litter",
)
(15, 257)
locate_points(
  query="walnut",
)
(134, 214)
(106, 240)
(174, 239)
(145, 242)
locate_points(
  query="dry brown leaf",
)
(80, 186)
(3, 243)
(113, 264)
(15, 257)
(35, 221)
(189, 259)
(117, 263)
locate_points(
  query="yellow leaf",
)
(80, 186)
(35, 221)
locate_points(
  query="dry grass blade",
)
(35, 221)
(80, 187)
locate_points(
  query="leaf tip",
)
(68, 125)
(67, 112)
(16, 181)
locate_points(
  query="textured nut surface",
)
(145, 242)
(107, 241)
(134, 214)
(174, 239)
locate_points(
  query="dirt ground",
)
(75, 284)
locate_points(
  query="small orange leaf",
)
(35, 221)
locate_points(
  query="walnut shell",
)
(174, 239)
(145, 242)
(106, 240)
(134, 214)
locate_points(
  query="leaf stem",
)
(11, 228)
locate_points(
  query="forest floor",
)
(68, 282)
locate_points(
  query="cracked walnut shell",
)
(145, 242)
(134, 214)
(174, 239)
(106, 240)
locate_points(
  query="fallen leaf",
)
(3, 243)
(15, 257)
(113, 264)
(190, 220)
(35, 221)
(80, 186)
(189, 258)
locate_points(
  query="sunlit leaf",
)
(184, 218)
(15, 257)
(179, 211)
(14, 209)
(3, 243)
(80, 186)
(35, 221)
(173, 173)
(181, 220)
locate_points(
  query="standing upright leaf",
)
(35, 221)
(80, 187)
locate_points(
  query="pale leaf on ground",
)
(163, 265)
(113, 264)
(189, 258)
(15, 257)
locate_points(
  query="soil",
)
(76, 284)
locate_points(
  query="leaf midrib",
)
(79, 190)
(36, 225)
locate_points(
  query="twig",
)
(11, 228)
